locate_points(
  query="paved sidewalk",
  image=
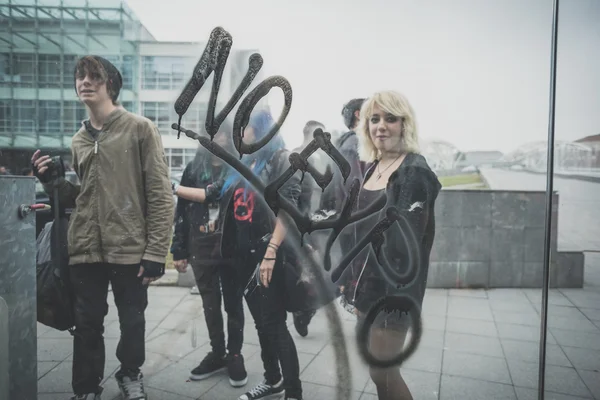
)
(476, 345)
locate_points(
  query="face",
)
(385, 130)
(91, 89)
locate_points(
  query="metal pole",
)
(549, 193)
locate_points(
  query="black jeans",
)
(267, 308)
(207, 274)
(90, 289)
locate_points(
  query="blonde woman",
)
(389, 141)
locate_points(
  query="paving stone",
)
(472, 326)
(459, 388)
(490, 369)
(529, 352)
(473, 344)
(558, 379)
(422, 385)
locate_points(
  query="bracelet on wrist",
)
(270, 259)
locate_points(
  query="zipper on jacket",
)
(96, 147)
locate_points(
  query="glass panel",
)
(49, 117)
(5, 116)
(23, 68)
(25, 121)
(49, 71)
(573, 348)
(478, 91)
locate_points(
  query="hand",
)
(145, 281)
(266, 267)
(181, 265)
(151, 271)
(40, 164)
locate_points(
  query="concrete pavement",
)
(477, 344)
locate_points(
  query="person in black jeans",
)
(119, 230)
(259, 250)
(196, 240)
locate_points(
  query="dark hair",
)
(310, 128)
(348, 112)
(103, 71)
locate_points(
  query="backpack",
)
(54, 295)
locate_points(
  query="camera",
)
(56, 169)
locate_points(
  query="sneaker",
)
(238, 376)
(301, 321)
(211, 365)
(264, 391)
(194, 290)
(132, 387)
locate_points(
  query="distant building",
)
(593, 142)
(568, 156)
(39, 44)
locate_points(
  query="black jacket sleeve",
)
(413, 194)
(179, 245)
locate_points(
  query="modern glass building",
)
(40, 40)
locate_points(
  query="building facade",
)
(40, 40)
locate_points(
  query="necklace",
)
(379, 172)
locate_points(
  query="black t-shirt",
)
(248, 214)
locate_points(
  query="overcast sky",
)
(476, 71)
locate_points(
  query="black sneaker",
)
(211, 365)
(238, 376)
(301, 321)
(264, 391)
(131, 386)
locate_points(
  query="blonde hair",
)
(397, 105)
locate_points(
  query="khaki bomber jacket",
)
(123, 208)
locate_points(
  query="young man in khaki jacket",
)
(120, 229)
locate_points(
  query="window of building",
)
(5, 116)
(165, 73)
(49, 118)
(178, 158)
(25, 118)
(5, 76)
(49, 70)
(161, 113)
(74, 114)
(127, 71)
(69, 62)
(23, 70)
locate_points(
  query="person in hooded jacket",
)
(196, 240)
(259, 250)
